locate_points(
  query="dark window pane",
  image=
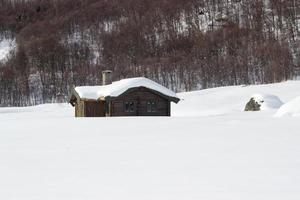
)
(151, 106)
(129, 106)
(148, 106)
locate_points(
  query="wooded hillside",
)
(182, 44)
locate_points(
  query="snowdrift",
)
(291, 108)
(232, 100)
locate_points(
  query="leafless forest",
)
(182, 44)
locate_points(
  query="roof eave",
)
(175, 99)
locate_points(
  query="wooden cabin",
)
(127, 97)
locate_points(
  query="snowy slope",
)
(231, 100)
(290, 108)
(209, 150)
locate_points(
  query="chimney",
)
(106, 77)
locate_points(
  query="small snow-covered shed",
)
(128, 97)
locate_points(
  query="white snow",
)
(231, 100)
(291, 108)
(119, 87)
(6, 46)
(210, 149)
(267, 101)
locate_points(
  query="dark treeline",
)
(183, 44)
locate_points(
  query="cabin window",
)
(151, 106)
(129, 106)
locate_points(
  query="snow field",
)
(232, 100)
(209, 149)
(290, 108)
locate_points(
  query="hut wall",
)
(79, 109)
(94, 108)
(140, 97)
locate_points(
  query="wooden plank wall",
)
(79, 109)
(94, 108)
(140, 96)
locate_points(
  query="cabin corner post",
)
(169, 109)
(76, 110)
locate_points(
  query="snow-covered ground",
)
(6, 46)
(291, 108)
(210, 149)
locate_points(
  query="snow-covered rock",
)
(291, 108)
(263, 102)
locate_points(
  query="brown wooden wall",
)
(94, 108)
(115, 107)
(90, 109)
(140, 96)
(79, 109)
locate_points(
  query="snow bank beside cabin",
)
(38, 112)
(291, 108)
(119, 87)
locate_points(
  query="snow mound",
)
(6, 46)
(267, 101)
(119, 87)
(291, 108)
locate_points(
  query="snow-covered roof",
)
(119, 87)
